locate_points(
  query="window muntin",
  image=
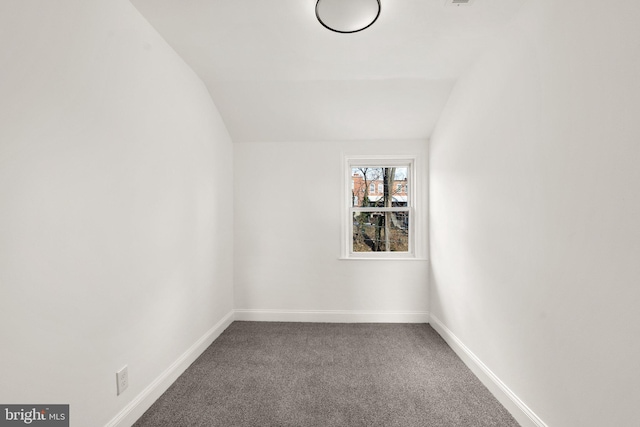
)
(380, 225)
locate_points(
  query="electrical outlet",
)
(122, 379)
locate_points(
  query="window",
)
(379, 225)
(372, 188)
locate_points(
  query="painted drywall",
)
(535, 212)
(287, 238)
(116, 216)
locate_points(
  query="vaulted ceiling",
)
(276, 74)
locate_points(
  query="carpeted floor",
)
(327, 374)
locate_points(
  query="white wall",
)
(535, 212)
(287, 239)
(115, 229)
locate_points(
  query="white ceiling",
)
(276, 74)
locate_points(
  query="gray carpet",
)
(327, 374)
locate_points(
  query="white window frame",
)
(416, 221)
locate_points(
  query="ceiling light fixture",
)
(347, 16)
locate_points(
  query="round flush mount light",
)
(347, 16)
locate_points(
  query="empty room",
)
(319, 213)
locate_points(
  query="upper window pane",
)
(379, 186)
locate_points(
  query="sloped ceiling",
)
(276, 74)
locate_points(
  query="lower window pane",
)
(381, 231)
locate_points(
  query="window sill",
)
(380, 259)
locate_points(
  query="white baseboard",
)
(149, 395)
(521, 412)
(332, 316)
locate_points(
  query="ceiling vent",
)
(459, 2)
